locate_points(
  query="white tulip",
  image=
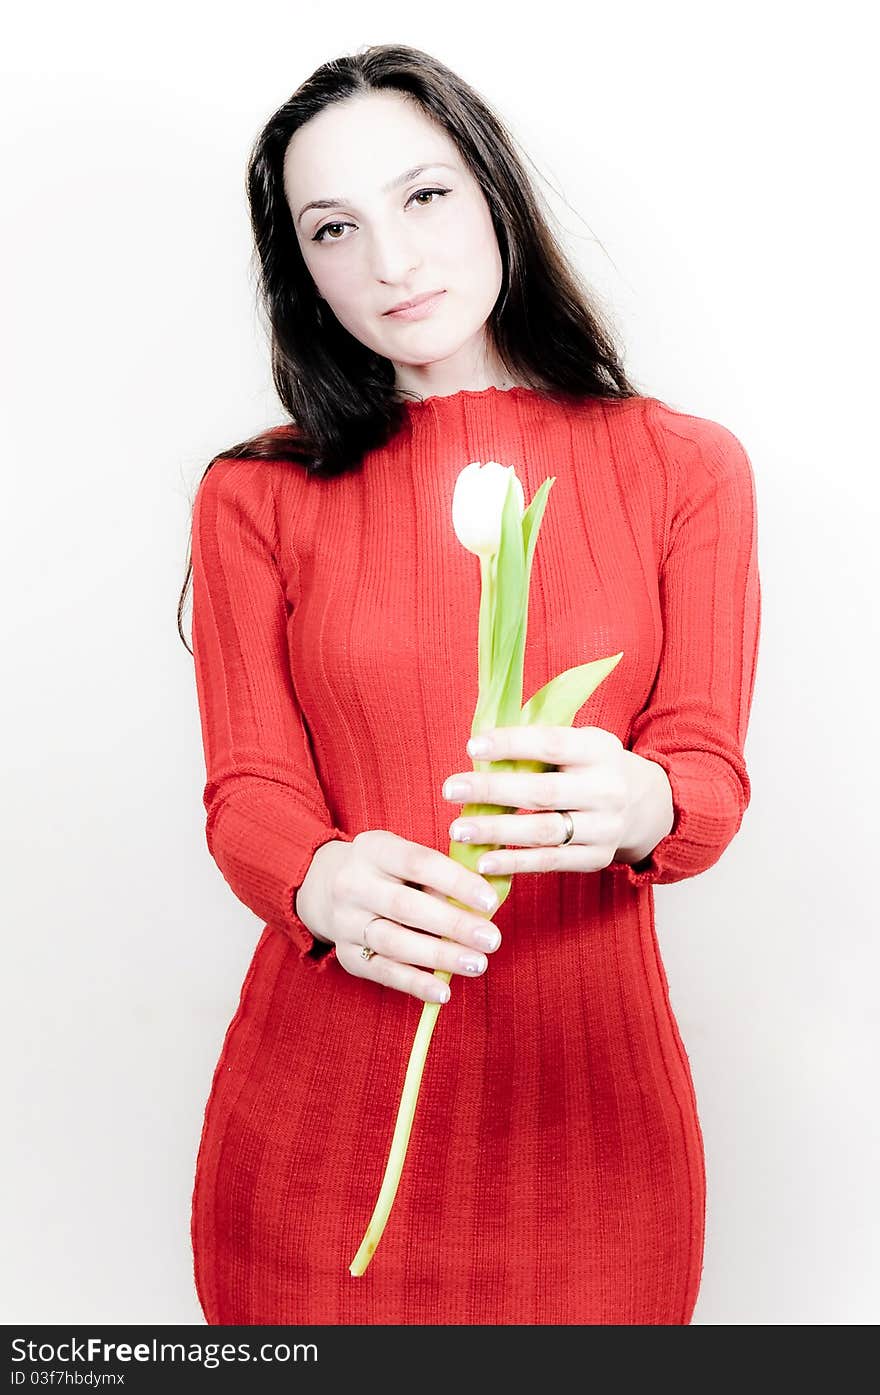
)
(477, 504)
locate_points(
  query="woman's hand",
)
(615, 798)
(385, 894)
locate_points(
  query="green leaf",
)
(511, 596)
(531, 521)
(510, 701)
(510, 578)
(559, 701)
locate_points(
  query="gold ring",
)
(366, 952)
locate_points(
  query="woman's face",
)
(385, 234)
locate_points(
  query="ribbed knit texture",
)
(555, 1172)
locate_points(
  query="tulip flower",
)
(490, 519)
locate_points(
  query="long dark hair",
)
(340, 395)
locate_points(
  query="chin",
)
(421, 350)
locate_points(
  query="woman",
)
(555, 1170)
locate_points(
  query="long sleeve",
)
(266, 811)
(695, 720)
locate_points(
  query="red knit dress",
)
(555, 1171)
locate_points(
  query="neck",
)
(444, 378)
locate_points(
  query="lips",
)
(419, 300)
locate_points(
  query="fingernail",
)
(487, 899)
(487, 864)
(472, 963)
(488, 939)
(463, 832)
(455, 789)
(478, 746)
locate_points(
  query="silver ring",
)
(569, 827)
(366, 952)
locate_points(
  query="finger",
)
(406, 946)
(390, 973)
(406, 861)
(521, 830)
(570, 858)
(413, 909)
(554, 745)
(518, 789)
(486, 937)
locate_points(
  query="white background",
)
(711, 169)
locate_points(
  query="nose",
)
(393, 256)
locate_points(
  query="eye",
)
(319, 235)
(419, 192)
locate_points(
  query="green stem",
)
(400, 1139)
(468, 855)
(484, 642)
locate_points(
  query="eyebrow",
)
(386, 188)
